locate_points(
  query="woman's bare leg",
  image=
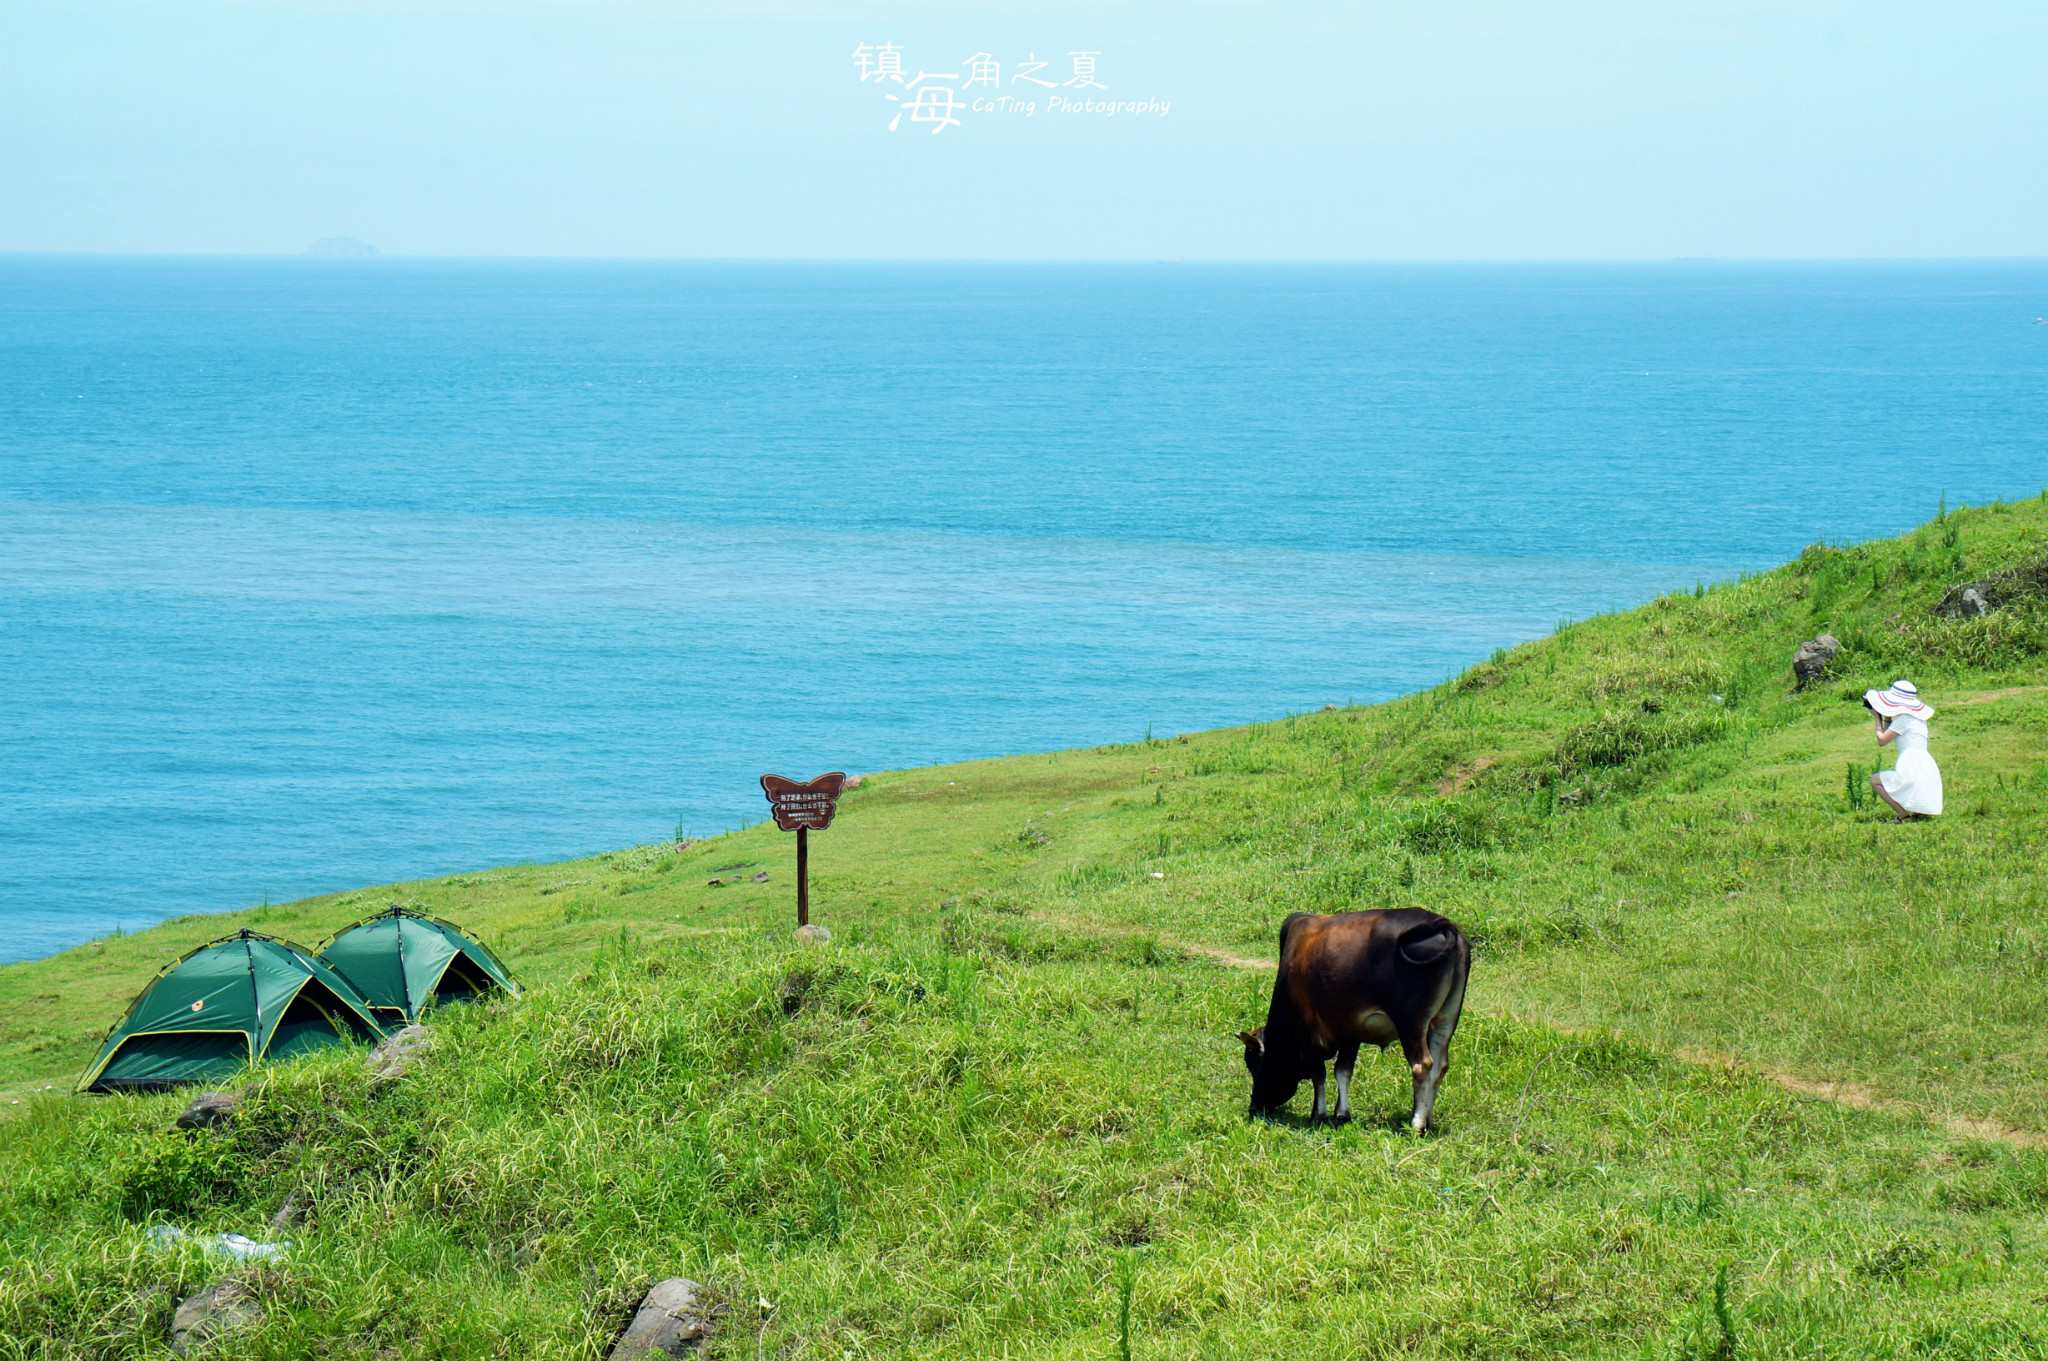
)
(1877, 788)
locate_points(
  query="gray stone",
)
(207, 1110)
(813, 934)
(1970, 600)
(220, 1308)
(400, 1053)
(1810, 663)
(853, 782)
(670, 1322)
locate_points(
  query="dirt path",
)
(2007, 693)
(1234, 961)
(1184, 946)
(1860, 1097)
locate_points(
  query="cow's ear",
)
(1253, 1041)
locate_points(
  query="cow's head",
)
(1274, 1080)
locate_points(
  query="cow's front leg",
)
(1316, 1080)
(1347, 1059)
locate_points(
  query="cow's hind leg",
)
(1415, 1049)
(1347, 1059)
(1316, 1080)
(1437, 1044)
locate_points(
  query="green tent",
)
(243, 997)
(406, 962)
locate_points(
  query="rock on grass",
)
(220, 1308)
(400, 1054)
(671, 1321)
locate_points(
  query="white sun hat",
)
(1902, 698)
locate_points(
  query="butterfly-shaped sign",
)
(799, 806)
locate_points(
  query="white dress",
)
(1914, 782)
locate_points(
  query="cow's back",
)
(1340, 971)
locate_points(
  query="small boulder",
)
(670, 1322)
(813, 934)
(852, 783)
(208, 1109)
(1811, 661)
(220, 1308)
(400, 1053)
(1972, 600)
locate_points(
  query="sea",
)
(318, 574)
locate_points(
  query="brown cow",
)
(1359, 978)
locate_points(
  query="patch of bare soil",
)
(1458, 777)
(1964, 1127)
(1857, 1094)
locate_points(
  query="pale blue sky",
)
(1425, 129)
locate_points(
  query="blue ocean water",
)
(322, 574)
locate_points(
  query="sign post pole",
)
(799, 808)
(803, 876)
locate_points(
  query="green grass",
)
(1002, 1115)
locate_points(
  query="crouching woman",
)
(1913, 786)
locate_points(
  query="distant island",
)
(341, 248)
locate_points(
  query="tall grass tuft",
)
(1724, 1318)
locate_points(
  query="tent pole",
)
(255, 996)
(404, 983)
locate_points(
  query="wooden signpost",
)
(798, 808)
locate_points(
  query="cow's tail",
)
(1438, 947)
(1425, 943)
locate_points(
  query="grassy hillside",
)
(1726, 1022)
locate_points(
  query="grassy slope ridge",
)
(1007, 1087)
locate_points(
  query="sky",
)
(1428, 129)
